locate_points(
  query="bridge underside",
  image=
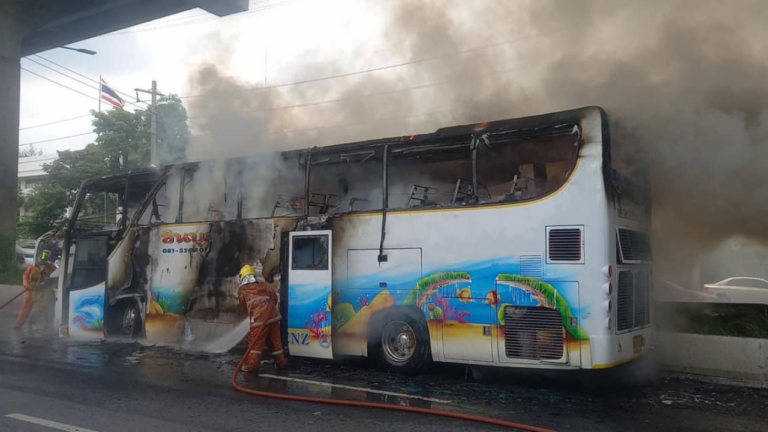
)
(31, 26)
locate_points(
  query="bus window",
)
(164, 206)
(435, 177)
(524, 169)
(271, 185)
(310, 253)
(206, 192)
(346, 186)
(100, 211)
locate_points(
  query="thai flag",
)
(111, 96)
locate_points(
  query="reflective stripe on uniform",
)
(257, 298)
(255, 352)
(275, 319)
(256, 324)
(277, 352)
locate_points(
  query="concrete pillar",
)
(10, 41)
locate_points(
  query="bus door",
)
(86, 288)
(309, 294)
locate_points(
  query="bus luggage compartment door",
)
(309, 294)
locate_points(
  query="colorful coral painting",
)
(86, 312)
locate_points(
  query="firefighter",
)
(32, 280)
(260, 301)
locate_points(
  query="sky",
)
(289, 33)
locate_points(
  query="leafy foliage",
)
(48, 203)
(10, 272)
(438, 278)
(552, 298)
(122, 143)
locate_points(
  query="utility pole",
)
(152, 121)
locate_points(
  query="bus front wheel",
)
(400, 341)
(126, 320)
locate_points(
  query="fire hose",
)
(14, 298)
(455, 415)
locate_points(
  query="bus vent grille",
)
(625, 301)
(533, 333)
(633, 300)
(530, 266)
(564, 244)
(635, 246)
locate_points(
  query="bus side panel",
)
(480, 262)
(187, 274)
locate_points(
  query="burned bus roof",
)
(521, 124)
(439, 140)
(115, 183)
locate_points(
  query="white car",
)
(668, 291)
(740, 290)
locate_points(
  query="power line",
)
(378, 69)
(55, 122)
(63, 74)
(381, 93)
(84, 76)
(60, 84)
(56, 139)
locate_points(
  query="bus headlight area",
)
(481, 245)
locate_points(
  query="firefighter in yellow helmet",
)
(260, 300)
(33, 279)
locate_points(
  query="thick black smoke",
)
(683, 83)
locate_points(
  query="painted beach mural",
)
(465, 308)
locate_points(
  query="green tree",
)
(122, 144)
(172, 130)
(48, 203)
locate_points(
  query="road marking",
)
(364, 389)
(48, 423)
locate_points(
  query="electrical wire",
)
(60, 84)
(378, 69)
(54, 122)
(63, 74)
(86, 77)
(56, 139)
(381, 93)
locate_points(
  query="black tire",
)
(125, 321)
(399, 340)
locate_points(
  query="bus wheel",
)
(127, 320)
(403, 342)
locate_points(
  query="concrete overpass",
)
(31, 26)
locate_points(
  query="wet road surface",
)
(113, 386)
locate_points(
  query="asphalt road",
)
(128, 387)
(102, 387)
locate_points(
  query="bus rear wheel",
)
(402, 344)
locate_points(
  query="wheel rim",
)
(129, 321)
(399, 341)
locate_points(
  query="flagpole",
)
(100, 93)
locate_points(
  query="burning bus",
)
(507, 243)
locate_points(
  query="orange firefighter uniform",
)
(31, 280)
(260, 300)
